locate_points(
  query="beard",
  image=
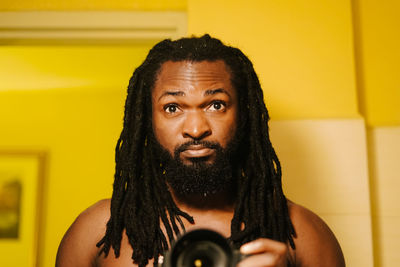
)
(199, 177)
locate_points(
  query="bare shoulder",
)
(316, 245)
(78, 246)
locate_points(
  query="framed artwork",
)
(21, 187)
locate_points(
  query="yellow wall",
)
(315, 59)
(153, 5)
(302, 51)
(72, 109)
(49, 67)
(377, 51)
(377, 41)
(326, 59)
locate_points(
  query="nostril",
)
(196, 127)
(197, 137)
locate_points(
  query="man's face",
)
(194, 109)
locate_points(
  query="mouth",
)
(197, 151)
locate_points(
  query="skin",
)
(193, 101)
(196, 101)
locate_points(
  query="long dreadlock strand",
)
(267, 203)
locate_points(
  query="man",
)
(195, 152)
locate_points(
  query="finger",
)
(259, 260)
(264, 245)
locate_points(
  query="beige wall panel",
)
(384, 144)
(354, 235)
(325, 169)
(385, 153)
(324, 164)
(389, 236)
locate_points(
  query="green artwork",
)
(10, 205)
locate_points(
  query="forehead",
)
(188, 73)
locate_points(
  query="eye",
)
(171, 108)
(217, 105)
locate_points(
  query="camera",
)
(201, 248)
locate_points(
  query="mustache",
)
(205, 144)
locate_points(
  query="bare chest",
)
(125, 258)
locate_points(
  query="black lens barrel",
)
(201, 248)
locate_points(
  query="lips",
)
(197, 151)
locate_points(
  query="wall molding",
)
(89, 27)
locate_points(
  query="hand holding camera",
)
(206, 248)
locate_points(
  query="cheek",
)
(164, 133)
(225, 131)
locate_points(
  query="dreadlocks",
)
(141, 199)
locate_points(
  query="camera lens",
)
(200, 248)
(202, 254)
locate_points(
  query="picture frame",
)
(21, 195)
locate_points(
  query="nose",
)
(196, 126)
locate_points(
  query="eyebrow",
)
(216, 91)
(173, 93)
(206, 93)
